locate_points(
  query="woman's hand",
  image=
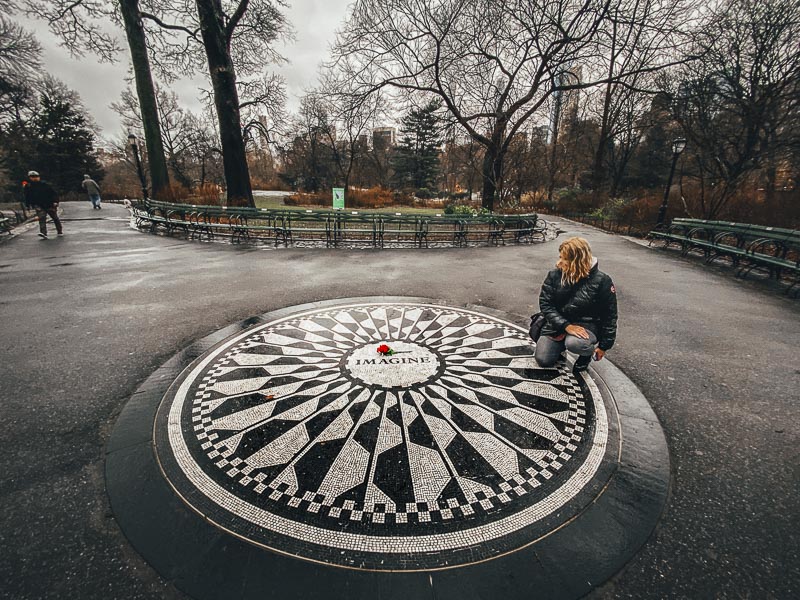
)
(599, 354)
(577, 331)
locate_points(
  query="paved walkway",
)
(87, 317)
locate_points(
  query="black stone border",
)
(207, 562)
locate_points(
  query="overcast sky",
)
(99, 84)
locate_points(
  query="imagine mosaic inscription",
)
(300, 427)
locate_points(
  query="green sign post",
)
(338, 197)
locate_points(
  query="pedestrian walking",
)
(41, 196)
(579, 304)
(91, 187)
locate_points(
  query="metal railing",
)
(621, 225)
(336, 228)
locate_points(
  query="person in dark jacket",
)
(579, 303)
(41, 196)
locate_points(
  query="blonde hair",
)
(575, 260)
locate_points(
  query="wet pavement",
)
(87, 317)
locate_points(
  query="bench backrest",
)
(777, 233)
(745, 231)
(342, 225)
(342, 216)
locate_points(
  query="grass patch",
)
(273, 203)
(276, 204)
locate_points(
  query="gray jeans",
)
(43, 213)
(548, 349)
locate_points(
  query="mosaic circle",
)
(382, 436)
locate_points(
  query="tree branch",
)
(163, 25)
(235, 18)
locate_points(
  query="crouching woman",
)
(579, 303)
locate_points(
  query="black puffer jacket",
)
(593, 307)
(40, 194)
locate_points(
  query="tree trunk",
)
(493, 165)
(770, 172)
(179, 173)
(552, 168)
(492, 172)
(701, 177)
(771, 180)
(616, 183)
(145, 90)
(599, 170)
(599, 173)
(619, 169)
(226, 100)
(348, 173)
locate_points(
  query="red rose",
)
(383, 349)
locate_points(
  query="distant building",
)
(107, 157)
(384, 137)
(521, 138)
(565, 103)
(541, 133)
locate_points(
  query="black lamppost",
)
(135, 148)
(678, 146)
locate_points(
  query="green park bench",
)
(497, 232)
(334, 227)
(306, 226)
(264, 226)
(399, 229)
(216, 220)
(147, 215)
(460, 232)
(748, 246)
(356, 227)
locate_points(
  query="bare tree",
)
(19, 69)
(82, 25)
(19, 80)
(236, 37)
(306, 159)
(523, 173)
(632, 119)
(344, 119)
(145, 89)
(19, 52)
(205, 142)
(739, 105)
(263, 108)
(191, 141)
(494, 64)
(175, 125)
(217, 29)
(570, 134)
(461, 161)
(377, 168)
(629, 49)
